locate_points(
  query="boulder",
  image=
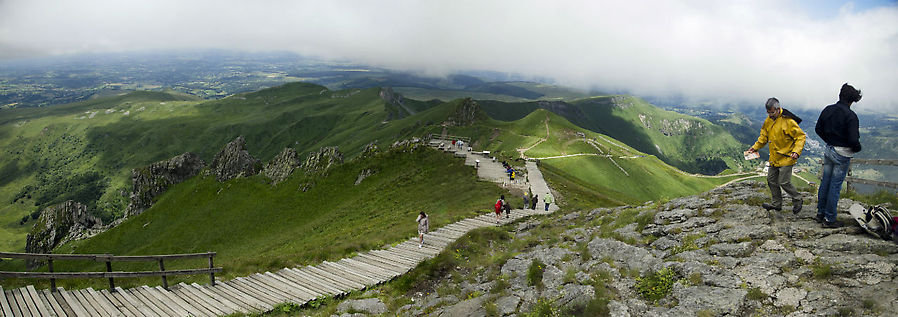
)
(66, 221)
(281, 166)
(371, 306)
(151, 181)
(233, 161)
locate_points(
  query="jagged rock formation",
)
(153, 180)
(281, 166)
(233, 161)
(60, 223)
(321, 160)
(726, 256)
(464, 114)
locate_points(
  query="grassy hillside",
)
(599, 170)
(85, 151)
(255, 226)
(691, 144)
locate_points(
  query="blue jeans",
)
(835, 168)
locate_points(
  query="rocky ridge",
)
(281, 166)
(714, 254)
(60, 223)
(233, 161)
(151, 181)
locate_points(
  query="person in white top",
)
(423, 227)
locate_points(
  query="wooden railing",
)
(448, 137)
(108, 258)
(849, 180)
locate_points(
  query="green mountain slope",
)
(599, 170)
(691, 144)
(85, 151)
(254, 226)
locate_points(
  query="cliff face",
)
(57, 224)
(153, 180)
(234, 161)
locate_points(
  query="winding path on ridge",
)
(261, 292)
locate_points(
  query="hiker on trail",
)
(511, 176)
(526, 200)
(507, 207)
(838, 127)
(786, 140)
(533, 202)
(499, 205)
(548, 200)
(423, 227)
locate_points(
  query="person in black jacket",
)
(838, 127)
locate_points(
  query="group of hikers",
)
(837, 126)
(500, 206)
(509, 170)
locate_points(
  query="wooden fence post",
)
(109, 269)
(164, 278)
(52, 280)
(211, 274)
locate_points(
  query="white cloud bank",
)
(724, 51)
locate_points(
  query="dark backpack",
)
(879, 222)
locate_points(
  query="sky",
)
(717, 52)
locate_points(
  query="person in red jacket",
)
(499, 205)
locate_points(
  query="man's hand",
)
(793, 155)
(751, 150)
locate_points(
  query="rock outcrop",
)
(321, 160)
(725, 256)
(69, 220)
(464, 114)
(153, 180)
(281, 166)
(234, 161)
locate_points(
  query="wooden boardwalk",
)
(259, 292)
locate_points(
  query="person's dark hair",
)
(502, 196)
(849, 94)
(772, 103)
(423, 214)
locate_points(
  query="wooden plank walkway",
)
(260, 292)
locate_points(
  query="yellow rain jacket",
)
(784, 136)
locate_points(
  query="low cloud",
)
(719, 51)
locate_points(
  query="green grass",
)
(256, 227)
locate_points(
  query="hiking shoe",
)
(770, 207)
(819, 219)
(796, 206)
(832, 224)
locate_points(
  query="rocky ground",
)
(714, 254)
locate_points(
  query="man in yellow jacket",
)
(786, 140)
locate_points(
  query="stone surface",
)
(368, 306)
(59, 223)
(320, 161)
(234, 161)
(151, 181)
(281, 166)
